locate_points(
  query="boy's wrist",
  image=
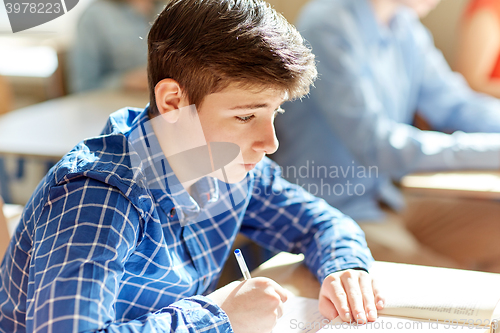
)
(347, 263)
(193, 308)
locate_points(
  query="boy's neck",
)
(385, 10)
(180, 137)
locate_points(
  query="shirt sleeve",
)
(346, 98)
(445, 98)
(284, 217)
(85, 234)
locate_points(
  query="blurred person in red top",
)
(478, 56)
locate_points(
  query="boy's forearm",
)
(339, 247)
(187, 315)
(329, 240)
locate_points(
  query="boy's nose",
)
(267, 141)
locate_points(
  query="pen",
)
(243, 265)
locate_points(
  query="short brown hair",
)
(207, 44)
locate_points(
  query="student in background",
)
(353, 136)
(109, 49)
(120, 236)
(478, 54)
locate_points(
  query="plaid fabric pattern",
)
(106, 244)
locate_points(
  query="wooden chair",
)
(10, 216)
(421, 123)
(4, 231)
(6, 100)
(5, 96)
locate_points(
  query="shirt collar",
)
(152, 170)
(371, 29)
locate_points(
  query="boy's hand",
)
(253, 305)
(352, 295)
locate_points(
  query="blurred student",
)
(353, 137)
(110, 49)
(478, 54)
(130, 230)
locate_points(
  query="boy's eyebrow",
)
(250, 106)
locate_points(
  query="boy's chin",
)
(233, 173)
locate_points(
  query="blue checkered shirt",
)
(106, 242)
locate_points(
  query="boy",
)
(378, 67)
(127, 233)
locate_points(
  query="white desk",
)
(50, 129)
(463, 184)
(43, 133)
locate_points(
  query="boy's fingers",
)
(282, 292)
(378, 295)
(365, 284)
(327, 308)
(280, 310)
(338, 297)
(350, 280)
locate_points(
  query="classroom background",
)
(33, 70)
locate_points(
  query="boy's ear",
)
(169, 99)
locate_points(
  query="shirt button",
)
(172, 212)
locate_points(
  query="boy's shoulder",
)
(105, 157)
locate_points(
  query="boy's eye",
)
(245, 119)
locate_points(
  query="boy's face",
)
(421, 7)
(245, 117)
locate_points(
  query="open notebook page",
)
(437, 293)
(301, 315)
